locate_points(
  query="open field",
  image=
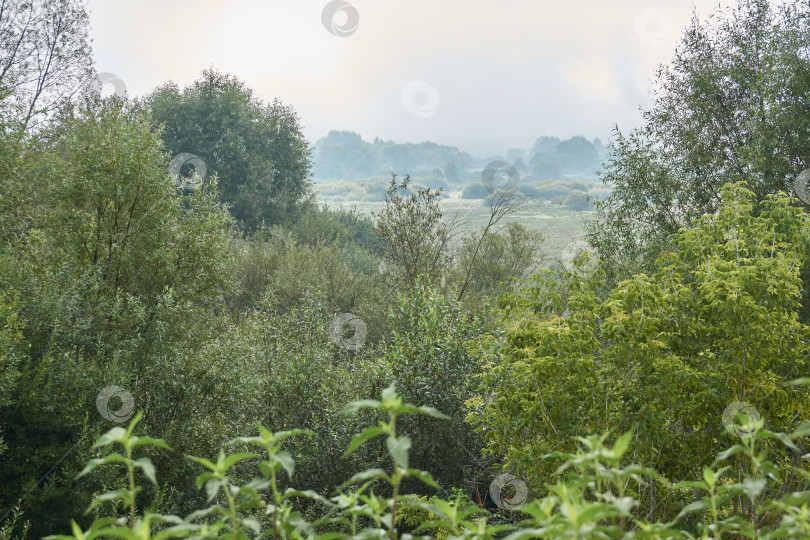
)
(559, 226)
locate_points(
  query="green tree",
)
(256, 149)
(415, 239)
(118, 277)
(664, 355)
(501, 257)
(731, 106)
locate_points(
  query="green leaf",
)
(281, 435)
(424, 476)
(204, 462)
(375, 474)
(233, 459)
(430, 411)
(145, 464)
(115, 435)
(622, 443)
(398, 448)
(692, 507)
(149, 441)
(212, 487)
(709, 476)
(389, 394)
(362, 404)
(93, 463)
(286, 461)
(359, 439)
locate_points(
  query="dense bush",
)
(663, 356)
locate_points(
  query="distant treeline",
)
(345, 155)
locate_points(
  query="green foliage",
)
(118, 276)
(257, 150)
(730, 107)
(593, 497)
(415, 239)
(11, 351)
(502, 257)
(324, 226)
(428, 361)
(663, 355)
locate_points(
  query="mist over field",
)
(399, 270)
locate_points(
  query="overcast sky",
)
(483, 75)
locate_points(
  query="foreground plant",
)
(594, 496)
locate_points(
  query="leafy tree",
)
(547, 169)
(502, 256)
(502, 203)
(118, 279)
(731, 106)
(475, 190)
(12, 352)
(428, 360)
(415, 239)
(256, 150)
(543, 145)
(664, 355)
(577, 154)
(45, 54)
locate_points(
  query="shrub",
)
(475, 190)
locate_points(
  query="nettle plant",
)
(592, 497)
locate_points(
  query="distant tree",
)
(476, 190)
(577, 154)
(578, 201)
(451, 171)
(513, 154)
(256, 149)
(547, 169)
(343, 153)
(544, 145)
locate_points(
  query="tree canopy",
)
(732, 106)
(256, 149)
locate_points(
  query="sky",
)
(483, 75)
